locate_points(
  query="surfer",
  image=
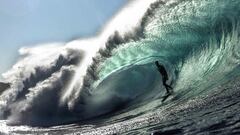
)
(164, 74)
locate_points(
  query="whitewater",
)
(109, 84)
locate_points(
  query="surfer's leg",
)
(167, 88)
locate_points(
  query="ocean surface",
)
(109, 84)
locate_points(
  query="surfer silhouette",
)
(164, 74)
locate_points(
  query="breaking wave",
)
(114, 73)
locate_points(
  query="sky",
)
(34, 22)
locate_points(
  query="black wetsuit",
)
(164, 74)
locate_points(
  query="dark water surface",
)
(120, 90)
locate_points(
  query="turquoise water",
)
(197, 42)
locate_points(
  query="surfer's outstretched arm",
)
(157, 64)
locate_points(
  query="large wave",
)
(197, 42)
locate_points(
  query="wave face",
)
(197, 42)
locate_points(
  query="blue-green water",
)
(198, 43)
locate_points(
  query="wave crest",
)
(88, 78)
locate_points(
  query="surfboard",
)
(168, 96)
